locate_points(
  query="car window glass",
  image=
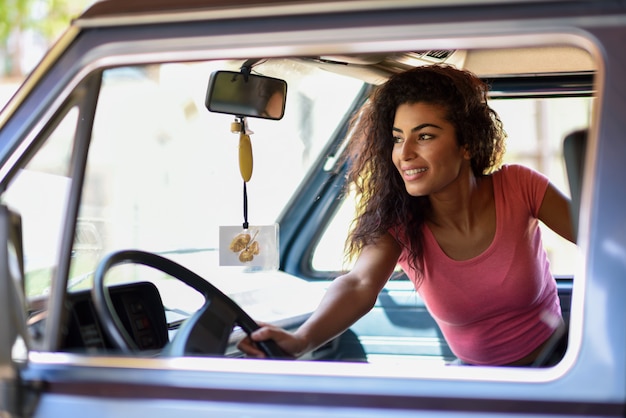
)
(162, 172)
(48, 173)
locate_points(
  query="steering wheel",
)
(206, 332)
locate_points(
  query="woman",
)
(434, 199)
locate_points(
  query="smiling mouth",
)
(414, 171)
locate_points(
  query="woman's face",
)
(425, 151)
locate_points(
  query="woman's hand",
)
(290, 343)
(348, 298)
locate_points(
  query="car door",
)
(47, 381)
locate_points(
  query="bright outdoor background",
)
(27, 29)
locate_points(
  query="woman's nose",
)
(408, 150)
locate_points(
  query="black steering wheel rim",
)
(113, 326)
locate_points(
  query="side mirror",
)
(250, 95)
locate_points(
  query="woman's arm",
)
(555, 213)
(347, 299)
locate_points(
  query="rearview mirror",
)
(246, 95)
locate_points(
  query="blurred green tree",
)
(46, 18)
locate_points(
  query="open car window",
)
(162, 176)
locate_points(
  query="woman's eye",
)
(425, 137)
(397, 139)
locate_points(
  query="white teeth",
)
(414, 171)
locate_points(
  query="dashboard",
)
(139, 307)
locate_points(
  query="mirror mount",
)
(246, 73)
(246, 67)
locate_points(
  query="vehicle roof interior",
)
(375, 68)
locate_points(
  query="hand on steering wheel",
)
(206, 332)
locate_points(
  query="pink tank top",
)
(492, 308)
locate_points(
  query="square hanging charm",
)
(256, 246)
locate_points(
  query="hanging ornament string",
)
(245, 206)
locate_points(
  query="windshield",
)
(162, 172)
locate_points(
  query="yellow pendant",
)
(245, 157)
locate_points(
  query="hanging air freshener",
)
(246, 246)
(250, 246)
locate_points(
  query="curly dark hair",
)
(383, 204)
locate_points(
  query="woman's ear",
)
(466, 153)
